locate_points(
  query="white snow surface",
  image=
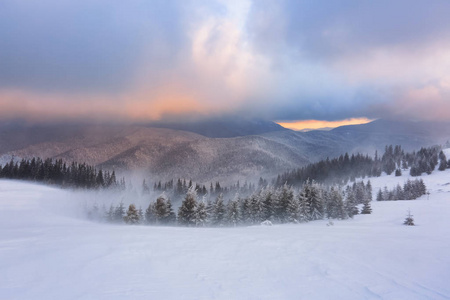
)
(47, 251)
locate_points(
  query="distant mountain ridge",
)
(167, 153)
(223, 127)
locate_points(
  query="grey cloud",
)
(331, 29)
(84, 45)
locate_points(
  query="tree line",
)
(412, 189)
(270, 205)
(347, 167)
(57, 172)
(179, 189)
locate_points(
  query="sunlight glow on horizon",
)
(306, 125)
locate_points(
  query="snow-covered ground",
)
(48, 252)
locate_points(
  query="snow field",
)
(48, 252)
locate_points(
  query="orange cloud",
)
(318, 124)
(143, 105)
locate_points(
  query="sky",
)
(289, 61)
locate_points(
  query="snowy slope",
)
(48, 252)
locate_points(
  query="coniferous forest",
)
(57, 172)
(267, 205)
(306, 194)
(348, 167)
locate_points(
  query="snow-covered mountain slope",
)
(48, 252)
(167, 154)
(164, 153)
(365, 138)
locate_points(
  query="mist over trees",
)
(324, 193)
(267, 205)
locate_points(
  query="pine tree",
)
(132, 216)
(141, 215)
(150, 215)
(268, 205)
(368, 191)
(170, 217)
(257, 208)
(399, 195)
(145, 188)
(350, 204)
(380, 195)
(100, 180)
(315, 202)
(160, 210)
(119, 213)
(367, 209)
(359, 190)
(233, 214)
(293, 210)
(201, 215)
(245, 210)
(303, 205)
(443, 161)
(409, 220)
(336, 203)
(209, 210)
(219, 211)
(285, 197)
(186, 212)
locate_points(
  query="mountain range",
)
(208, 151)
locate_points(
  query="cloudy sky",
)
(278, 60)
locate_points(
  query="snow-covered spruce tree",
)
(367, 209)
(141, 215)
(293, 210)
(285, 197)
(245, 210)
(443, 161)
(380, 195)
(219, 211)
(350, 203)
(161, 210)
(145, 188)
(303, 206)
(422, 189)
(328, 203)
(201, 215)
(336, 208)
(360, 192)
(170, 217)
(315, 202)
(268, 204)
(132, 216)
(409, 220)
(386, 194)
(233, 214)
(186, 212)
(209, 209)
(150, 215)
(119, 213)
(257, 207)
(368, 191)
(251, 211)
(398, 193)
